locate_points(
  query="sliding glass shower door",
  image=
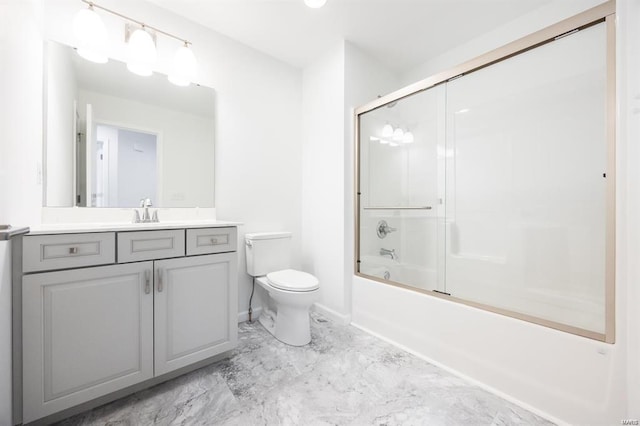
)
(401, 203)
(495, 187)
(526, 189)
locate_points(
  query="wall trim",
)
(244, 315)
(469, 379)
(335, 316)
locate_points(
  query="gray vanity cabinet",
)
(86, 333)
(193, 303)
(89, 331)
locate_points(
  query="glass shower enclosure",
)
(493, 185)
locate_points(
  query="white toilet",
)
(292, 292)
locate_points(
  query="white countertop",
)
(74, 228)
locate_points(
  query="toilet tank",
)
(267, 252)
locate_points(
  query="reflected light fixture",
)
(387, 131)
(408, 137)
(398, 134)
(315, 4)
(141, 52)
(91, 34)
(141, 44)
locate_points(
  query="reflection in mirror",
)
(113, 138)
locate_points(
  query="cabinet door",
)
(87, 332)
(195, 309)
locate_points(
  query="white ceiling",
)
(399, 33)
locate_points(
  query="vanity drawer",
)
(150, 245)
(62, 251)
(211, 240)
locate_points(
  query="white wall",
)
(526, 24)
(20, 151)
(333, 85)
(323, 174)
(628, 39)
(257, 147)
(569, 378)
(5, 333)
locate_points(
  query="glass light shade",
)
(387, 131)
(398, 134)
(141, 53)
(184, 67)
(315, 4)
(408, 137)
(91, 34)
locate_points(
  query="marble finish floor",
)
(343, 377)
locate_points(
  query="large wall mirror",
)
(113, 138)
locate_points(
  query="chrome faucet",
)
(145, 203)
(384, 229)
(391, 253)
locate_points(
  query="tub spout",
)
(391, 253)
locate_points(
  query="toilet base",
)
(289, 326)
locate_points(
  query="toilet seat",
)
(292, 280)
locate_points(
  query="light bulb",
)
(398, 134)
(387, 131)
(141, 53)
(315, 4)
(408, 137)
(184, 66)
(91, 34)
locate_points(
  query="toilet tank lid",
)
(267, 235)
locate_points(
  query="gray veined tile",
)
(343, 377)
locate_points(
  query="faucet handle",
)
(141, 202)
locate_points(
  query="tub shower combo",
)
(492, 184)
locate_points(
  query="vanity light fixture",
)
(141, 52)
(184, 66)
(89, 30)
(315, 4)
(141, 47)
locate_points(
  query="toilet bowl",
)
(291, 292)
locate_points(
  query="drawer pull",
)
(73, 250)
(214, 241)
(159, 280)
(147, 285)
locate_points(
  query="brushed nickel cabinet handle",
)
(159, 280)
(73, 250)
(147, 284)
(214, 241)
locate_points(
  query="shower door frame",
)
(603, 13)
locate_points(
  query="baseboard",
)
(335, 316)
(244, 316)
(481, 385)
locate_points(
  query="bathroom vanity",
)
(107, 311)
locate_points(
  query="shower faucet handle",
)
(384, 229)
